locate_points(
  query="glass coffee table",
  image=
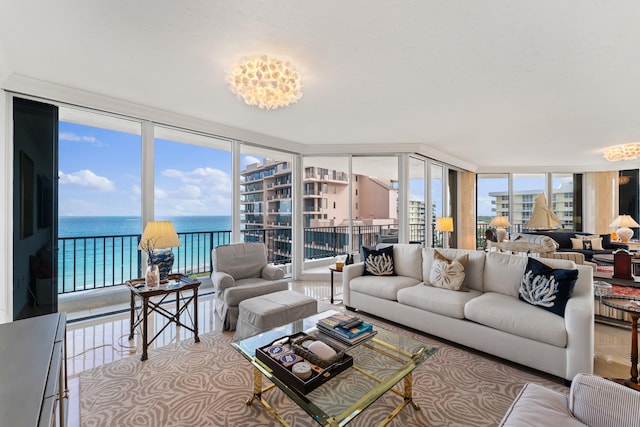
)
(378, 365)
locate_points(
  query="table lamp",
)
(499, 222)
(445, 224)
(624, 232)
(157, 240)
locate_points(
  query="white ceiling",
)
(499, 85)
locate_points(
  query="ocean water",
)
(95, 252)
(82, 226)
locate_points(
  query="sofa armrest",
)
(222, 280)
(597, 401)
(579, 322)
(271, 272)
(349, 272)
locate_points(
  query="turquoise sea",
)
(74, 226)
(95, 252)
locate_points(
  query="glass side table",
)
(632, 307)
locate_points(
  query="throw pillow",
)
(593, 244)
(378, 262)
(546, 287)
(446, 273)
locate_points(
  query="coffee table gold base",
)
(406, 394)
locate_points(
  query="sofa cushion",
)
(503, 273)
(474, 269)
(407, 260)
(513, 316)
(446, 273)
(385, 287)
(588, 244)
(378, 262)
(547, 288)
(436, 300)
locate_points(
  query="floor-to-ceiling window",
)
(98, 200)
(562, 198)
(193, 189)
(526, 188)
(492, 199)
(325, 207)
(374, 200)
(437, 210)
(266, 200)
(495, 198)
(417, 200)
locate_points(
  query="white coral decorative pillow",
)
(445, 273)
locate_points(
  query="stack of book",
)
(347, 329)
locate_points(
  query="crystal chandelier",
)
(265, 81)
(623, 152)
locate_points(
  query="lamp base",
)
(625, 234)
(163, 258)
(501, 234)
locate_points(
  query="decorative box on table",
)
(319, 374)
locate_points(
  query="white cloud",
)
(72, 137)
(249, 160)
(86, 178)
(215, 179)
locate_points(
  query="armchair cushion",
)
(271, 272)
(240, 260)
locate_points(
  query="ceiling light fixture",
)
(623, 152)
(265, 81)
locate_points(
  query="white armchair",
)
(241, 271)
(592, 401)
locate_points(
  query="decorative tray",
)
(271, 355)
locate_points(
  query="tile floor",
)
(95, 338)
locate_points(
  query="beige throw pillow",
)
(594, 244)
(447, 274)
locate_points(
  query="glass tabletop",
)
(378, 365)
(621, 302)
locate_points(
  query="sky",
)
(100, 175)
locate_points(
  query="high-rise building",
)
(266, 206)
(524, 201)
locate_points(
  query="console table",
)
(33, 374)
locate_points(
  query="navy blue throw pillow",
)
(378, 262)
(546, 287)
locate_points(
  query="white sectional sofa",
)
(487, 314)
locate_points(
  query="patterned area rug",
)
(206, 384)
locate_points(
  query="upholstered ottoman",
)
(259, 314)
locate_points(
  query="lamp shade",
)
(500, 221)
(159, 235)
(624, 221)
(444, 223)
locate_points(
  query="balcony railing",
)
(93, 262)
